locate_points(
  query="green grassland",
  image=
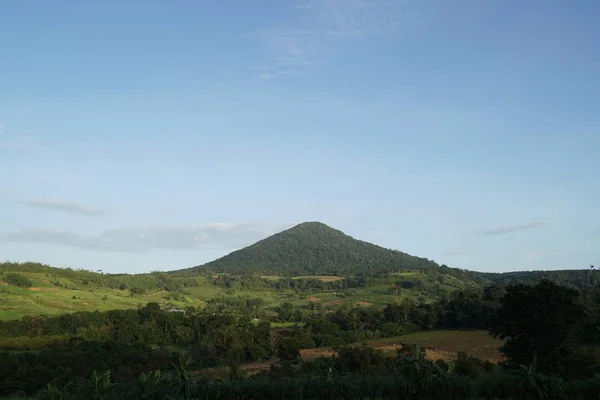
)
(52, 295)
(52, 292)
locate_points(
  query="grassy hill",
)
(35, 289)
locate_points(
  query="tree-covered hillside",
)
(313, 248)
(578, 278)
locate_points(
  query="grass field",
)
(45, 298)
(323, 278)
(52, 294)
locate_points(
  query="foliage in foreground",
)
(411, 378)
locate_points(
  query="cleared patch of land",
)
(322, 278)
(438, 345)
(474, 343)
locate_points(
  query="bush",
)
(17, 280)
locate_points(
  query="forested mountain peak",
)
(314, 248)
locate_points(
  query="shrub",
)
(17, 280)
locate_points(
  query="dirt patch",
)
(364, 304)
(87, 304)
(329, 278)
(430, 354)
(3, 284)
(473, 343)
(314, 299)
(46, 281)
(258, 367)
(42, 289)
(309, 354)
(322, 278)
(333, 303)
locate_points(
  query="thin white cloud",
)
(266, 76)
(143, 240)
(257, 68)
(21, 142)
(513, 228)
(319, 27)
(460, 253)
(63, 206)
(1, 128)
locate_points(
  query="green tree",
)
(537, 323)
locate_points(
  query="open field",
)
(474, 343)
(46, 298)
(322, 278)
(439, 344)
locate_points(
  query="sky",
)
(157, 135)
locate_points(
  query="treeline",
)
(577, 278)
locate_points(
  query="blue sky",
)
(145, 135)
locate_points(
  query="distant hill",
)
(313, 248)
(578, 278)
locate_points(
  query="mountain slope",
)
(313, 248)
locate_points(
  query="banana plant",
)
(96, 387)
(52, 392)
(532, 380)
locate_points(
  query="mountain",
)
(313, 248)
